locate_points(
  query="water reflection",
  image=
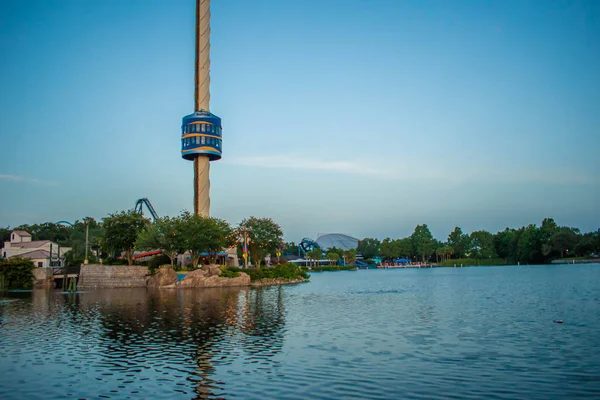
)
(145, 342)
(412, 334)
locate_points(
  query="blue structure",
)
(145, 201)
(307, 245)
(201, 135)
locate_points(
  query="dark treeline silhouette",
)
(530, 244)
(526, 245)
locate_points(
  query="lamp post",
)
(87, 225)
(245, 239)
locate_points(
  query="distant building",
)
(338, 240)
(38, 251)
(227, 257)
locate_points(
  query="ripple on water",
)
(458, 334)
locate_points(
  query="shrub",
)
(473, 262)
(17, 273)
(321, 268)
(229, 272)
(284, 271)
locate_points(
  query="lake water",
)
(462, 333)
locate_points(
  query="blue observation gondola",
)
(201, 135)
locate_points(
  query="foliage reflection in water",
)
(136, 343)
(441, 333)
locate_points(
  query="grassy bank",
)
(322, 268)
(287, 271)
(472, 261)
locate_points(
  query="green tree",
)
(460, 242)
(439, 253)
(548, 229)
(204, 234)
(444, 252)
(386, 248)
(482, 245)
(290, 248)
(4, 235)
(333, 257)
(449, 252)
(529, 246)
(368, 247)
(223, 237)
(121, 231)
(564, 239)
(56, 233)
(587, 244)
(422, 241)
(16, 273)
(76, 256)
(336, 250)
(315, 255)
(163, 234)
(505, 243)
(350, 256)
(265, 237)
(403, 248)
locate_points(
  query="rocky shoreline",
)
(277, 282)
(210, 277)
(98, 276)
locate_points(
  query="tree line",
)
(127, 231)
(121, 234)
(527, 245)
(332, 254)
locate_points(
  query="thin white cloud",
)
(402, 168)
(409, 168)
(302, 163)
(24, 179)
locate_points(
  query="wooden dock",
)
(64, 276)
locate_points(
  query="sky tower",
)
(201, 139)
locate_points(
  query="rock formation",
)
(278, 282)
(165, 276)
(209, 276)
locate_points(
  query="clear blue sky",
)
(354, 116)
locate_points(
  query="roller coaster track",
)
(307, 245)
(64, 223)
(140, 203)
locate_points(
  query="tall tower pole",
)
(202, 102)
(201, 131)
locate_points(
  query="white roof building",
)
(338, 240)
(38, 251)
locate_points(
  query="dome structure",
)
(338, 240)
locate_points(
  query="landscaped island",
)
(125, 248)
(220, 276)
(122, 276)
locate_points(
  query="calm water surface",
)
(463, 333)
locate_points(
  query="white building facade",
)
(41, 252)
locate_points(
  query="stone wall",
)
(112, 276)
(42, 277)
